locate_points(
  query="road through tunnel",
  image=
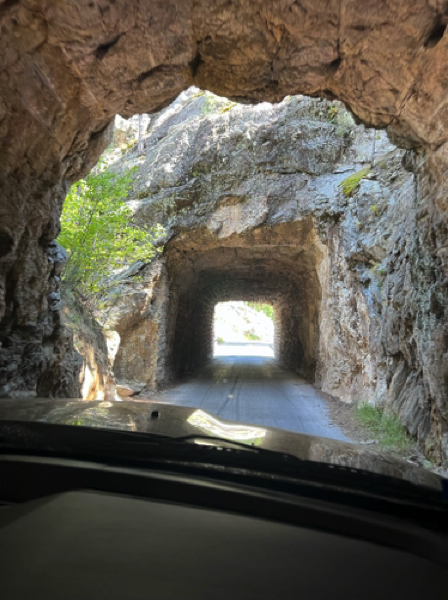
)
(276, 265)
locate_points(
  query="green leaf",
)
(98, 234)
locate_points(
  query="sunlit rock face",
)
(67, 69)
(253, 204)
(88, 367)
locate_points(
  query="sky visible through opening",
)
(243, 329)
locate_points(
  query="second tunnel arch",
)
(193, 341)
(277, 264)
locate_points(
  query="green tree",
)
(99, 234)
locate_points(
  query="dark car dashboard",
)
(77, 529)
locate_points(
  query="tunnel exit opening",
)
(242, 328)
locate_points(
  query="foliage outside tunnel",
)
(98, 231)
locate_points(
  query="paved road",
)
(256, 390)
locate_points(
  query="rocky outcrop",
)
(66, 70)
(254, 207)
(91, 364)
(416, 315)
(137, 313)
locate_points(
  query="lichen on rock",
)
(350, 184)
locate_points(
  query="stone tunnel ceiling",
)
(67, 69)
(270, 264)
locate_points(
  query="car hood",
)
(177, 421)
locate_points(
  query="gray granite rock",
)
(226, 170)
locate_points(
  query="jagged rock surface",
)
(229, 181)
(91, 362)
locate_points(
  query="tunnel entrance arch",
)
(276, 264)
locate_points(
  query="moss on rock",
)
(350, 184)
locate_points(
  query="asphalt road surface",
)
(245, 383)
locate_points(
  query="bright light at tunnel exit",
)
(243, 329)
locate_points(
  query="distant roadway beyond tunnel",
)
(244, 383)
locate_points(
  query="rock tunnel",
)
(67, 69)
(277, 265)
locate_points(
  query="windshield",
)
(240, 271)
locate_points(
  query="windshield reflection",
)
(238, 433)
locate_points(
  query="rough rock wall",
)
(415, 323)
(36, 351)
(137, 312)
(91, 361)
(222, 176)
(33, 340)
